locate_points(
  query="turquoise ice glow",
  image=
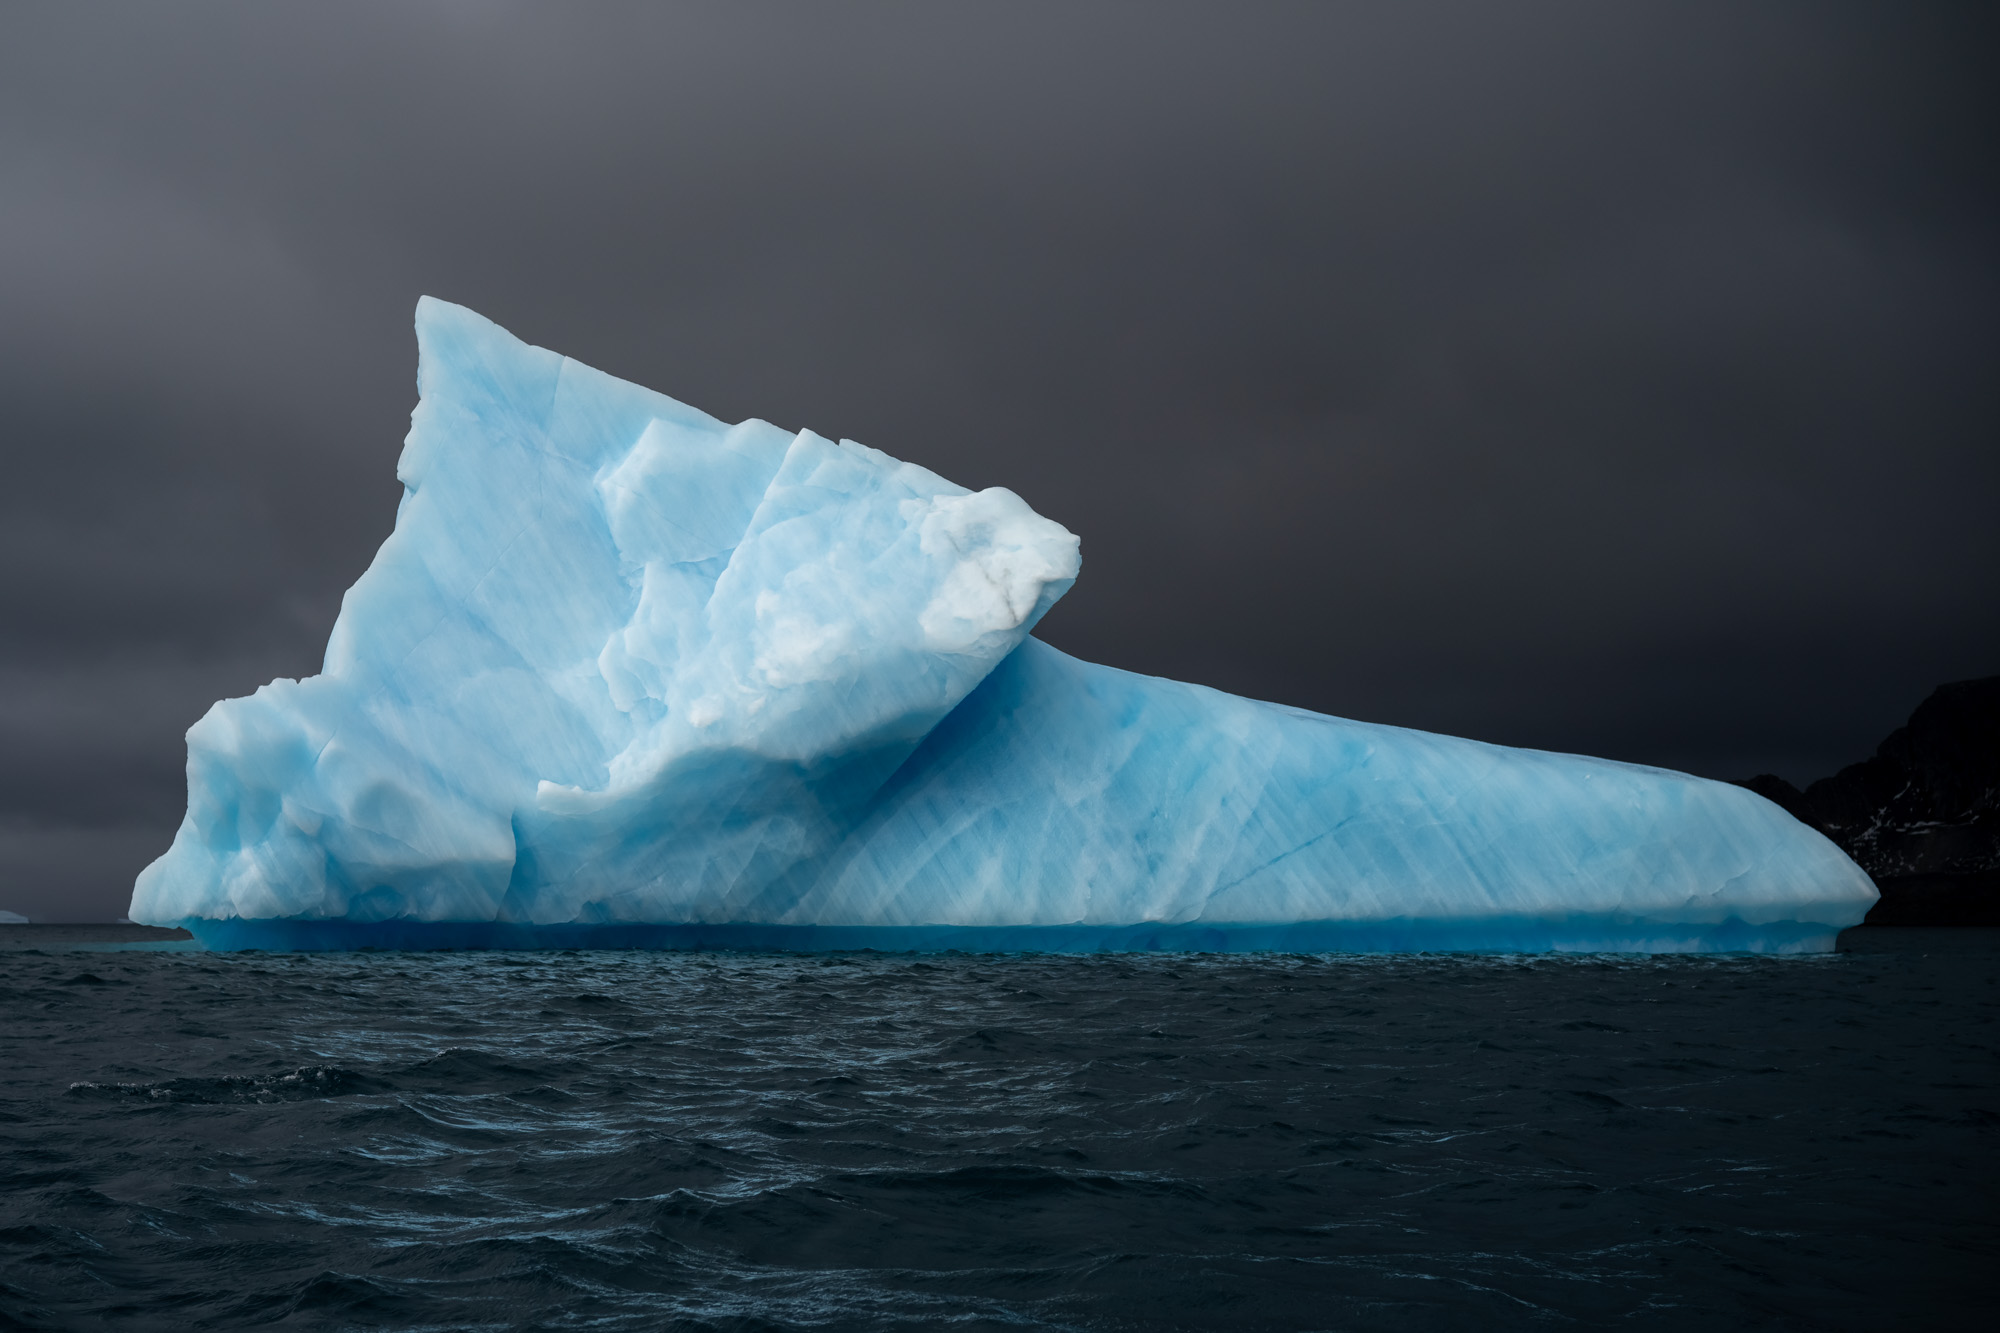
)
(626, 675)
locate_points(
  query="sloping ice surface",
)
(625, 675)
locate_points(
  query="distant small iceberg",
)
(627, 676)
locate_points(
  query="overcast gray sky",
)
(1609, 378)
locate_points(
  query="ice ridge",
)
(625, 674)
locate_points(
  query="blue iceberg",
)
(624, 675)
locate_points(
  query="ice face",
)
(1106, 798)
(622, 667)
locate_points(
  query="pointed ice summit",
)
(625, 675)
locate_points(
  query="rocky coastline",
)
(1922, 815)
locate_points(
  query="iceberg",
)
(625, 675)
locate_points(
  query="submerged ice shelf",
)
(626, 675)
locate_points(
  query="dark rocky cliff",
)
(1923, 816)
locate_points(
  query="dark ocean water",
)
(645, 1140)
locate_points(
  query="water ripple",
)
(637, 1141)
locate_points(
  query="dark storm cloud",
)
(1607, 378)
